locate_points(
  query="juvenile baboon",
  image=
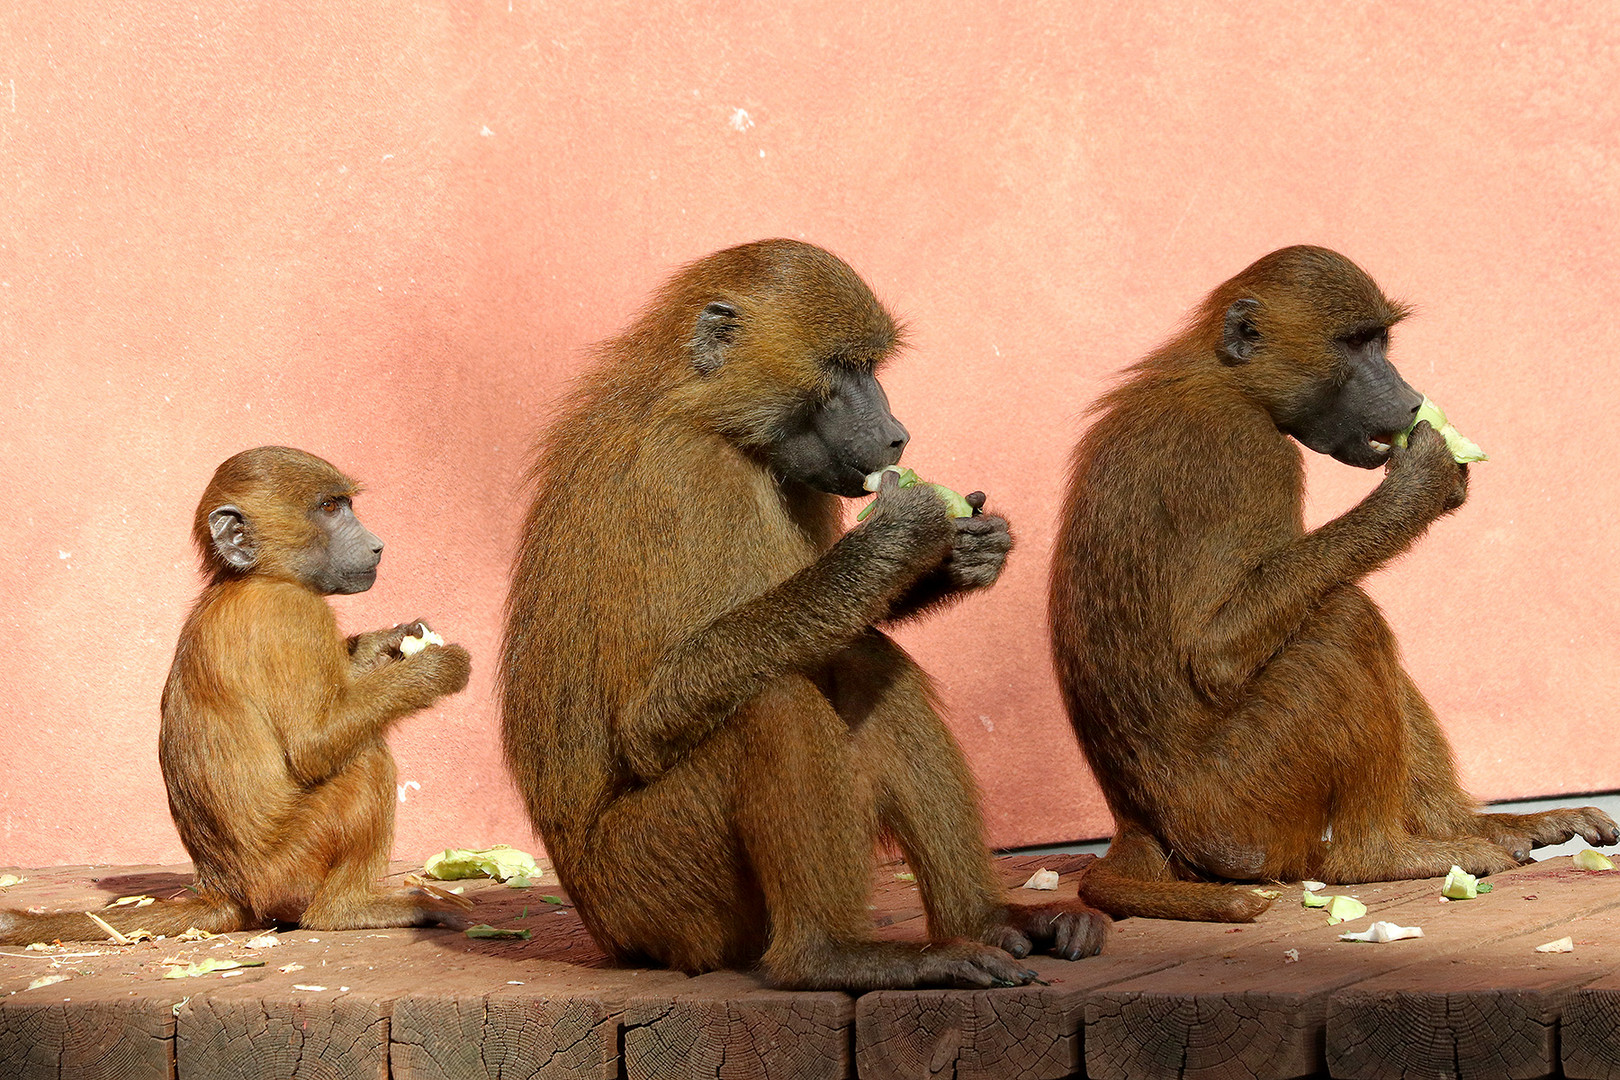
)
(280, 782)
(707, 726)
(1236, 692)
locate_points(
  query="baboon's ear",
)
(233, 541)
(717, 326)
(1239, 336)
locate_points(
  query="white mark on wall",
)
(762, 152)
(740, 120)
(989, 724)
(60, 554)
(484, 131)
(408, 784)
(388, 157)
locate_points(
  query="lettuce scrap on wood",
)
(484, 930)
(208, 967)
(1592, 860)
(1381, 932)
(1344, 908)
(499, 862)
(1460, 885)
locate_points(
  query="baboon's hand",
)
(918, 515)
(979, 549)
(448, 667)
(414, 628)
(1518, 833)
(1070, 929)
(1424, 474)
(378, 647)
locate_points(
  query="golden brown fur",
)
(707, 727)
(280, 782)
(1235, 690)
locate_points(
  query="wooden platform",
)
(1279, 998)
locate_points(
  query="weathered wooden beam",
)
(728, 1026)
(259, 1032)
(1493, 1010)
(89, 1028)
(1589, 1030)
(1250, 1015)
(554, 1023)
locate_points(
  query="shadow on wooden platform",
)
(1280, 998)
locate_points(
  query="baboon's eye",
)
(1362, 338)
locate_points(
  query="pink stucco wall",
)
(387, 231)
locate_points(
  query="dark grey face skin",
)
(1371, 402)
(833, 444)
(352, 551)
(344, 562)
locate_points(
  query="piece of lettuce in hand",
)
(414, 644)
(907, 477)
(958, 506)
(1463, 450)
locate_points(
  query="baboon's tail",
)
(165, 917)
(1105, 888)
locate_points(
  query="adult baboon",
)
(708, 728)
(1236, 691)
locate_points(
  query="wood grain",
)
(1589, 1031)
(88, 1028)
(727, 1026)
(1489, 1009)
(1470, 999)
(552, 1021)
